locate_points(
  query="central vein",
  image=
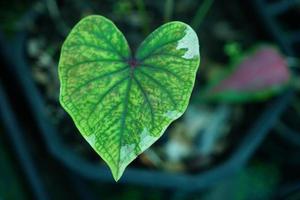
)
(123, 120)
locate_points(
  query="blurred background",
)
(239, 138)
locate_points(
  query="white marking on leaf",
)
(126, 156)
(126, 151)
(91, 139)
(146, 139)
(189, 42)
(172, 114)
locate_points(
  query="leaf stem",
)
(143, 13)
(56, 16)
(168, 12)
(201, 13)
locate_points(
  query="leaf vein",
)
(160, 86)
(72, 66)
(123, 121)
(96, 79)
(146, 98)
(101, 35)
(157, 68)
(108, 113)
(88, 45)
(158, 47)
(104, 95)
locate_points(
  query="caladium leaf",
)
(257, 76)
(122, 103)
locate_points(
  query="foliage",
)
(257, 75)
(122, 103)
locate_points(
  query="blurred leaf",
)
(233, 50)
(256, 182)
(123, 104)
(122, 8)
(256, 76)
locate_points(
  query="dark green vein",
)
(107, 114)
(92, 61)
(162, 87)
(162, 69)
(123, 121)
(87, 45)
(159, 47)
(97, 78)
(104, 95)
(165, 44)
(146, 98)
(109, 42)
(109, 126)
(139, 129)
(168, 55)
(98, 35)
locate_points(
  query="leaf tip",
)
(117, 172)
(116, 176)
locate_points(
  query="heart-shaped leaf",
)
(122, 103)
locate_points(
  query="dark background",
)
(255, 151)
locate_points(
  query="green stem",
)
(143, 13)
(56, 16)
(168, 10)
(201, 13)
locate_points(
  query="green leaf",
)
(123, 103)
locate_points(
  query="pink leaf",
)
(264, 69)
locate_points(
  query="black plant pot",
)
(14, 53)
(18, 138)
(21, 152)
